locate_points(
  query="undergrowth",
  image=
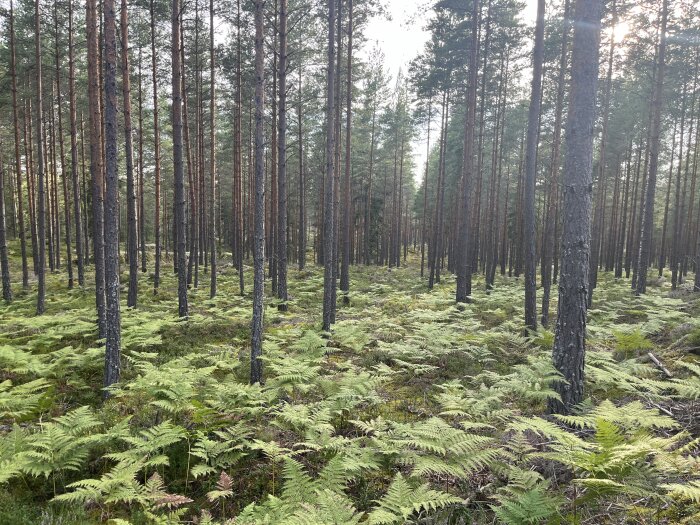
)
(412, 410)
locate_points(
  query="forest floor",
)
(414, 409)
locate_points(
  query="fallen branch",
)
(659, 365)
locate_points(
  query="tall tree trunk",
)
(272, 165)
(302, 179)
(531, 172)
(132, 227)
(256, 365)
(4, 261)
(180, 223)
(328, 223)
(111, 206)
(549, 239)
(570, 335)
(141, 204)
(238, 160)
(368, 196)
(41, 197)
(212, 155)
(62, 158)
(79, 251)
(282, 161)
(31, 186)
(464, 270)
(599, 212)
(18, 162)
(436, 252)
(156, 150)
(676, 247)
(648, 215)
(345, 259)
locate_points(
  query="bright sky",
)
(403, 37)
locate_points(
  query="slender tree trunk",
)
(271, 218)
(368, 197)
(328, 223)
(680, 200)
(212, 155)
(180, 223)
(599, 212)
(4, 261)
(256, 365)
(62, 158)
(347, 198)
(648, 215)
(18, 162)
(132, 227)
(531, 173)
(282, 161)
(141, 204)
(302, 180)
(111, 206)
(465, 269)
(41, 197)
(549, 239)
(239, 214)
(156, 151)
(570, 336)
(74, 152)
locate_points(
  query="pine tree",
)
(111, 205)
(570, 335)
(256, 367)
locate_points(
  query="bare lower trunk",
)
(570, 335)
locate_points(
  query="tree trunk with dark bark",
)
(529, 240)
(328, 212)
(111, 205)
(649, 196)
(570, 335)
(282, 161)
(256, 365)
(180, 223)
(132, 229)
(41, 193)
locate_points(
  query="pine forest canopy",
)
(259, 164)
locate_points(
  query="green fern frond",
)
(403, 500)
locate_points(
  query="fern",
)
(22, 400)
(146, 448)
(528, 506)
(63, 444)
(402, 500)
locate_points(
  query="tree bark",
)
(156, 150)
(648, 215)
(18, 162)
(111, 206)
(345, 259)
(256, 365)
(570, 336)
(79, 251)
(212, 155)
(180, 223)
(549, 239)
(132, 227)
(4, 261)
(531, 173)
(328, 222)
(282, 161)
(41, 197)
